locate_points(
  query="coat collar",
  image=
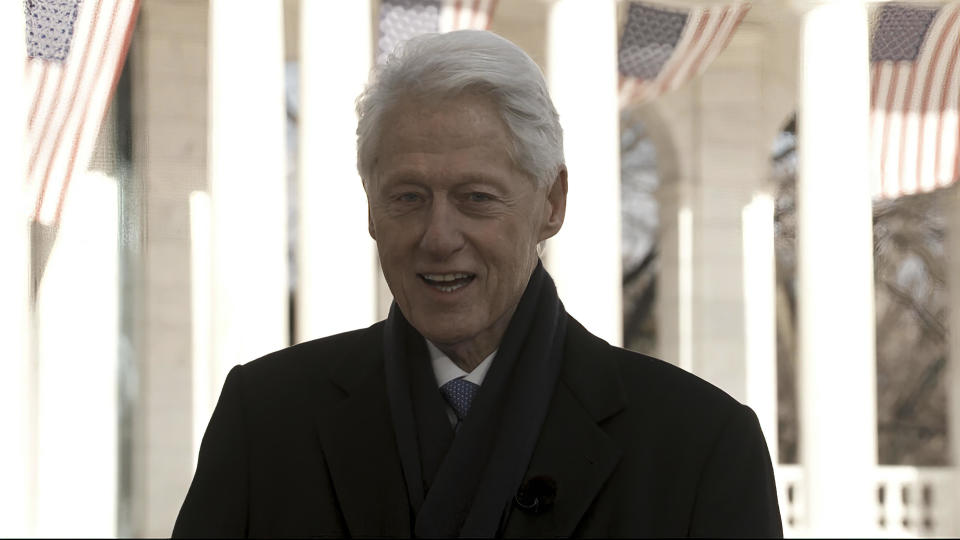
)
(591, 374)
(573, 451)
(360, 447)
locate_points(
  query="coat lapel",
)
(361, 451)
(573, 451)
(360, 448)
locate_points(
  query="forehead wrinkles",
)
(455, 119)
(417, 129)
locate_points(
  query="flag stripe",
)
(48, 109)
(646, 90)
(721, 36)
(686, 50)
(706, 33)
(874, 90)
(881, 77)
(929, 84)
(481, 14)
(462, 16)
(36, 84)
(732, 21)
(886, 166)
(95, 108)
(906, 125)
(948, 104)
(741, 13)
(938, 34)
(940, 83)
(70, 99)
(401, 20)
(469, 15)
(915, 142)
(448, 16)
(68, 109)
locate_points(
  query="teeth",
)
(445, 277)
(435, 280)
(452, 288)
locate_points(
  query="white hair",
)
(467, 61)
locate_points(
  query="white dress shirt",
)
(445, 371)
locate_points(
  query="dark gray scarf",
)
(465, 485)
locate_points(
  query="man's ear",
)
(556, 205)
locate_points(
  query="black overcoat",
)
(301, 444)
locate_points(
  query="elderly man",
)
(479, 407)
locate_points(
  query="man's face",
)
(456, 222)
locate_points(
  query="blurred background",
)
(763, 194)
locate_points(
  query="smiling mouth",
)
(447, 282)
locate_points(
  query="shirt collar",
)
(445, 370)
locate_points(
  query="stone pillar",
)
(77, 329)
(336, 258)
(715, 291)
(674, 306)
(202, 373)
(246, 167)
(584, 258)
(835, 291)
(16, 466)
(671, 123)
(168, 70)
(760, 316)
(729, 154)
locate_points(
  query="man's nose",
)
(442, 235)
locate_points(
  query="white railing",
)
(793, 511)
(912, 502)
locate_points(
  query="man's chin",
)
(445, 337)
(444, 328)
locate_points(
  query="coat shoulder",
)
(666, 382)
(652, 384)
(336, 359)
(690, 453)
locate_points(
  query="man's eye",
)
(408, 197)
(480, 197)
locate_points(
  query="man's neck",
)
(467, 356)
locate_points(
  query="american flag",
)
(662, 48)
(75, 51)
(914, 94)
(400, 20)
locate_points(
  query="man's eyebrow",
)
(404, 176)
(416, 177)
(480, 178)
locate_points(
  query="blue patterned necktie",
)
(459, 394)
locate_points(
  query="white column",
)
(951, 208)
(760, 315)
(717, 276)
(836, 321)
(336, 258)
(204, 395)
(164, 331)
(246, 163)
(674, 306)
(672, 124)
(77, 326)
(584, 258)
(16, 494)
